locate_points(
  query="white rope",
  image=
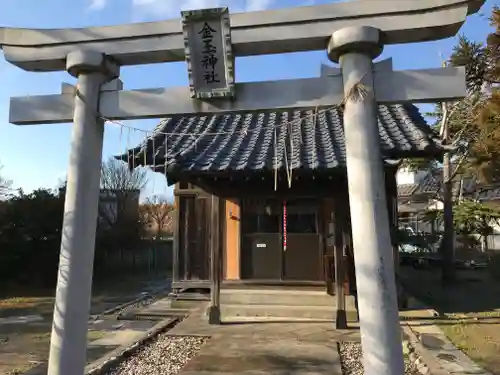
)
(286, 161)
(290, 178)
(128, 146)
(275, 163)
(314, 120)
(154, 164)
(204, 134)
(166, 154)
(133, 158)
(145, 149)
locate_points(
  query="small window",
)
(260, 223)
(301, 223)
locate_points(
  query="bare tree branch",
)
(121, 186)
(158, 211)
(5, 186)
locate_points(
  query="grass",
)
(470, 312)
(23, 346)
(28, 347)
(478, 337)
(17, 306)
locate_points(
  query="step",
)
(188, 300)
(278, 297)
(188, 296)
(189, 304)
(279, 311)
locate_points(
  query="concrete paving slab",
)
(21, 319)
(451, 359)
(121, 333)
(113, 325)
(264, 347)
(265, 355)
(159, 307)
(197, 324)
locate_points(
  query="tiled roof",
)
(489, 193)
(406, 190)
(266, 140)
(412, 207)
(468, 186)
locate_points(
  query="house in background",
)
(420, 192)
(414, 198)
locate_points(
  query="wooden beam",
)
(215, 261)
(187, 236)
(176, 248)
(421, 86)
(340, 272)
(253, 33)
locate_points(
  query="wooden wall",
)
(191, 249)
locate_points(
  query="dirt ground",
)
(24, 346)
(470, 311)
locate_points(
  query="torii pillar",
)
(355, 48)
(68, 342)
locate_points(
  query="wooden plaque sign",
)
(210, 61)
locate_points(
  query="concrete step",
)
(145, 314)
(277, 297)
(188, 300)
(189, 305)
(188, 296)
(282, 311)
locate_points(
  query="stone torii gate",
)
(354, 33)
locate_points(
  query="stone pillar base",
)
(214, 315)
(341, 320)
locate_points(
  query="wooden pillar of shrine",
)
(216, 263)
(340, 272)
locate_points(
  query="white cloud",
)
(97, 5)
(161, 9)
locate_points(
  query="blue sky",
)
(37, 156)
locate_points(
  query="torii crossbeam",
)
(253, 33)
(354, 33)
(415, 86)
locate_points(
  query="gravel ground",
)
(165, 356)
(351, 360)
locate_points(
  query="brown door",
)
(261, 247)
(302, 255)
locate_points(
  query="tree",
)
(5, 186)
(488, 149)
(120, 187)
(462, 125)
(157, 211)
(493, 43)
(476, 123)
(30, 236)
(119, 227)
(472, 217)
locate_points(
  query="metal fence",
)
(151, 257)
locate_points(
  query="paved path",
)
(441, 355)
(448, 358)
(253, 348)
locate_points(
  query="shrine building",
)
(279, 181)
